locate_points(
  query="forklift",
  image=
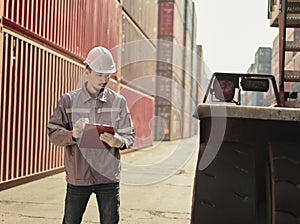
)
(248, 167)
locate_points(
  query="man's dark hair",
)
(88, 68)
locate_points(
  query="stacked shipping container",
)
(138, 63)
(189, 66)
(169, 71)
(43, 45)
(70, 26)
(175, 68)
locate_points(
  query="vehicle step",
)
(293, 6)
(293, 20)
(291, 76)
(293, 1)
(292, 46)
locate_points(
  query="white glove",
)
(112, 140)
(79, 126)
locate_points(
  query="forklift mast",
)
(285, 14)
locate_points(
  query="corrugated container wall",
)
(43, 44)
(141, 107)
(138, 67)
(70, 25)
(164, 83)
(40, 77)
(144, 15)
(138, 55)
(189, 71)
(178, 42)
(139, 33)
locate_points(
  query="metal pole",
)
(282, 43)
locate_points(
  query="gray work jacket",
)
(90, 166)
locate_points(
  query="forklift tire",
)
(229, 191)
(286, 169)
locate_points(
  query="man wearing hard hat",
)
(92, 165)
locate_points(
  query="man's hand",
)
(79, 126)
(112, 140)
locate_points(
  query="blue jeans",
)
(108, 200)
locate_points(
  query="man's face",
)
(97, 81)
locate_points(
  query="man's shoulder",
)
(69, 96)
(114, 94)
(73, 93)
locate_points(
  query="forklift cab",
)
(248, 160)
(227, 87)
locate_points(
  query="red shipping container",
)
(71, 26)
(141, 108)
(165, 19)
(43, 46)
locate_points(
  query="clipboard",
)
(90, 137)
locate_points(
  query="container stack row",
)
(42, 48)
(176, 69)
(43, 45)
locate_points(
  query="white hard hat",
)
(101, 60)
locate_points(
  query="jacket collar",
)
(87, 96)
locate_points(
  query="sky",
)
(231, 31)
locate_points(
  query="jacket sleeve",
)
(125, 127)
(59, 125)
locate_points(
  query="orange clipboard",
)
(90, 137)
